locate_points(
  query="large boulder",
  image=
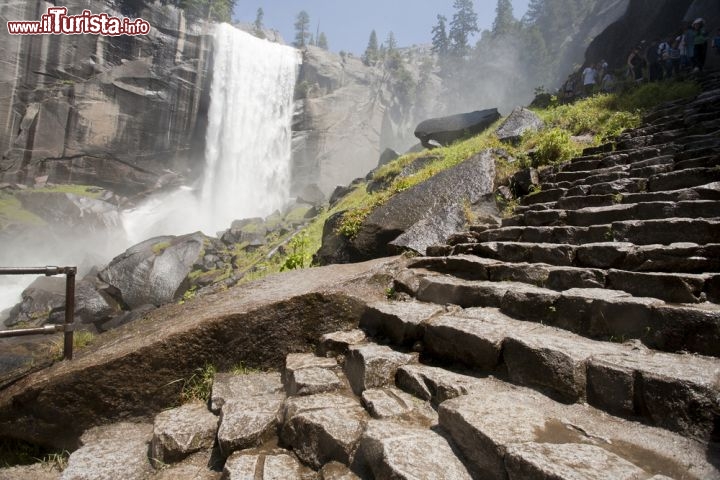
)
(39, 299)
(421, 216)
(154, 271)
(518, 122)
(446, 130)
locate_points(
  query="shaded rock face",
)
(126, 113)
(446, 130)
(643, 20)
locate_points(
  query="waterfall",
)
(247, 171)
(248, 142)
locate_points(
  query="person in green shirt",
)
(701, 43)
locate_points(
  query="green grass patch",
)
(81, 190)
(12, 212)
(160, 247)
(198, 386)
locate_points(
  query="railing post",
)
(70, 273)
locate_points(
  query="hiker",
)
(664, 54)
(652, 56)
(589, 76)
(701, 39)
(636, 64)
(674, 60)
(687, 48)
(608, 83)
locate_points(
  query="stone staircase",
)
(579, 339)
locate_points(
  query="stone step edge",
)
(594, 313)
(685, 288)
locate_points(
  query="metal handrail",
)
(68, 326)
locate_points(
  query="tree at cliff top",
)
(258, 24)
(514, 57)
(462, 26)
(302, 22)
(440, 41)
(322, 41)
(215, 10)
(505, 22)
(371, 55)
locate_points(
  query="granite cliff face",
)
(125, 113)
(346, 113)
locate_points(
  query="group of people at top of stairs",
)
(665, 58)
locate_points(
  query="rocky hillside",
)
(579, 336)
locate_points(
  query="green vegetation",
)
(18, 452)
(160, 247)
(199, 385)
(81, 339)
(81, 190)
(242, 369)
(299, 255)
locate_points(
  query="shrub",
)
(554, 146)
(299, 257)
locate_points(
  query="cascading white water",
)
(248, 142)
(247, 170)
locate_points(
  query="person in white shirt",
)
(589, 79)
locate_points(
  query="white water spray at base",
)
(248, 143)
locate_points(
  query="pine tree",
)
(371, 55)
(258, 24)
(505, 22)
(440, 42)
(391, 43)
(302, 34)
(463, 25)
(322, 41)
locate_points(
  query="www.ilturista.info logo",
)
(57, 22)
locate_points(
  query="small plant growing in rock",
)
(160, 247)
(299, 256)
(242, 369)
(199, 385)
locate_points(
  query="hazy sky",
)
(347, 23)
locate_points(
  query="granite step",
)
(669, 287)
(680, 257)
(687, 178)
(591, 312)
(507, 431)
(663, 231)
(591, 215)
(710, 191)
